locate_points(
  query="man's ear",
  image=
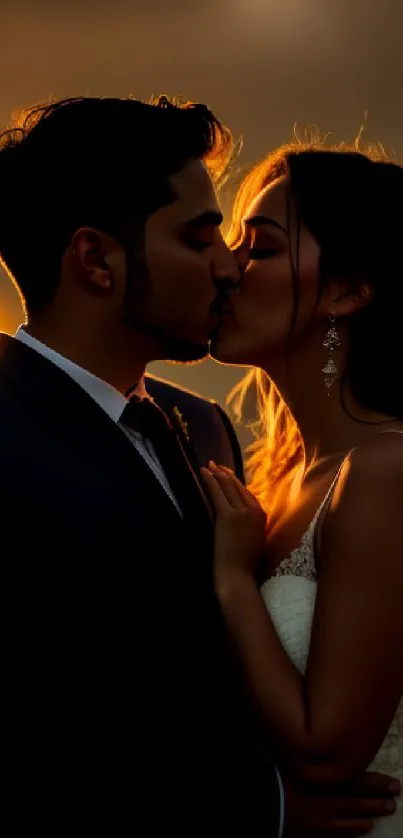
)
(89, 253)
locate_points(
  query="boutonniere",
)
(181, 422)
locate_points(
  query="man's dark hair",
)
(99, 162)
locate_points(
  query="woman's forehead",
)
(270, 202)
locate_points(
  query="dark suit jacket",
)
(122, 710)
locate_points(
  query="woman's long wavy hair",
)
(350, 199)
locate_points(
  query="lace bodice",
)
(301, 562)
(290, 599)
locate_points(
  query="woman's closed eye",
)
(256, 253)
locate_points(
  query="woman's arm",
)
(328, 726)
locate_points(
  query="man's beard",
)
(171, 348)
(135, 317)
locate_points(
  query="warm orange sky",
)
(262, 65)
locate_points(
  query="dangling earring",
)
(331, 342)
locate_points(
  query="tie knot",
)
(144, 416)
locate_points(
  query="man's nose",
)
(225, 270)
(241, 257)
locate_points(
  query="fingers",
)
(340, 816)
(377, 785)
(227, 486)
(366, 808)
(217, 496)
(230, 483)
(348, 829)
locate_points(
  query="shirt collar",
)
(109, 399)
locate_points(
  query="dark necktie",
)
(145, 417)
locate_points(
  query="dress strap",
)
(321, 511)
(328, 495)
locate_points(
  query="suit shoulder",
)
(210, 427)
(157, 386)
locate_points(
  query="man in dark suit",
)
(123, 709)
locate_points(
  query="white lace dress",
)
(290, 599)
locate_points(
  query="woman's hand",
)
(240, 530)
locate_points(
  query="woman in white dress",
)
(318, 623)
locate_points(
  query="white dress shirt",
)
(109, 399)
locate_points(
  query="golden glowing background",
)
(262, 65)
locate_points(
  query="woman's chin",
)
(227, 352)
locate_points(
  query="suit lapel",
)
(64, 409)
(178, 422)
(180, 427)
